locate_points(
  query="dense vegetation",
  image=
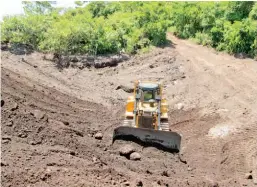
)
(100, 28)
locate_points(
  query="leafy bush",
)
(110, 27)
(238, 10)
(25, 29)
(216, 33)
(229, 26)
(103, 9)
(253, 13)
(186, 19)
(203, 38)
(239, 37)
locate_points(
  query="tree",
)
(238, 10)
(37, 7)
(79, 3)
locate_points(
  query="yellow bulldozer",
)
(146, 118)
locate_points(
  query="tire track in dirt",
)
(239, 150)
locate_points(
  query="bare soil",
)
(50, 116)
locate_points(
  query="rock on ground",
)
(126, 150)
(65, 123)
(98, 136)
(254, 175)
(38, 114)
(14, 107)
(248, 176)
(3, 163)
(125, 88)
(139, 183)
(180, 106)
(165, 173)
(182, 158)
(135, 156)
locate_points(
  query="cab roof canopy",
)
(148, 86)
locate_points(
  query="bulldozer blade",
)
(165, 140)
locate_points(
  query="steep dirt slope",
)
(49, 119)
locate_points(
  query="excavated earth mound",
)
(57, 123)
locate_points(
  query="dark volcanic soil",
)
(50, 117)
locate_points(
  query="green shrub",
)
(238, 10)
(253, 13)
(240, 36)
(109, 27)
(203, 38)
(25, 29)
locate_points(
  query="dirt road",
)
(50, 117)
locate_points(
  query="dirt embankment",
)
(57, 124)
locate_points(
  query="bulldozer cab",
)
(148, 95)
(148, 91)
